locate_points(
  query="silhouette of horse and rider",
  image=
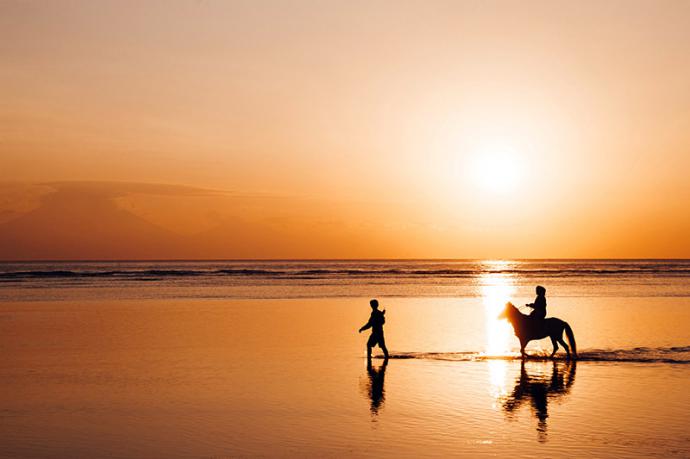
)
(526, 327)
(536, 326)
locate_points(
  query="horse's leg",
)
(555, 346)
(522, 349)
(565, 346)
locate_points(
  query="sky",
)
(322, 129)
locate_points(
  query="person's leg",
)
(382, 345)
(371, 342)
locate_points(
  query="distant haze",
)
(204, 129)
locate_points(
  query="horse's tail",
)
(571, 338)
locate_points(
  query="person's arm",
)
(365, 326)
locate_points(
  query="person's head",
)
(374, 304)
(541, 291)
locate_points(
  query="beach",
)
(103, 368)
(322, 229)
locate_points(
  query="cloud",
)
(115, 220)
(84, 223)
(118, 189)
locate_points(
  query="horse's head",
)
(506, 311)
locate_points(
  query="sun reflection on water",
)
(498, 370)
(496, 287)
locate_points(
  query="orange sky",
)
(208, 129)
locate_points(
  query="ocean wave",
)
(672, 355)
(667, 270)
(39, 274)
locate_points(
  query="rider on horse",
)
(539, 305)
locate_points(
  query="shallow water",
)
(203, 378)
(171, 375)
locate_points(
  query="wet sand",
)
(214, 378)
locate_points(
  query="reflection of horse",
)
(538, 390)
(528, 328)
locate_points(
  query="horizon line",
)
(171, 260)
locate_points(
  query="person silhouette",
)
(376, 321)
(539, 305)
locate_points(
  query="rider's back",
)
(539, 307)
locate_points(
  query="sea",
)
(263, 358)
(341, 278)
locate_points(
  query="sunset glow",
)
(335, 130)
(270, 228)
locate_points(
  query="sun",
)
(496, 170)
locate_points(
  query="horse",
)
(527, 328)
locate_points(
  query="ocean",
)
(330, 279)
(263, 359)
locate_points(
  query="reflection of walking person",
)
(376, 321)
(376, 390)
